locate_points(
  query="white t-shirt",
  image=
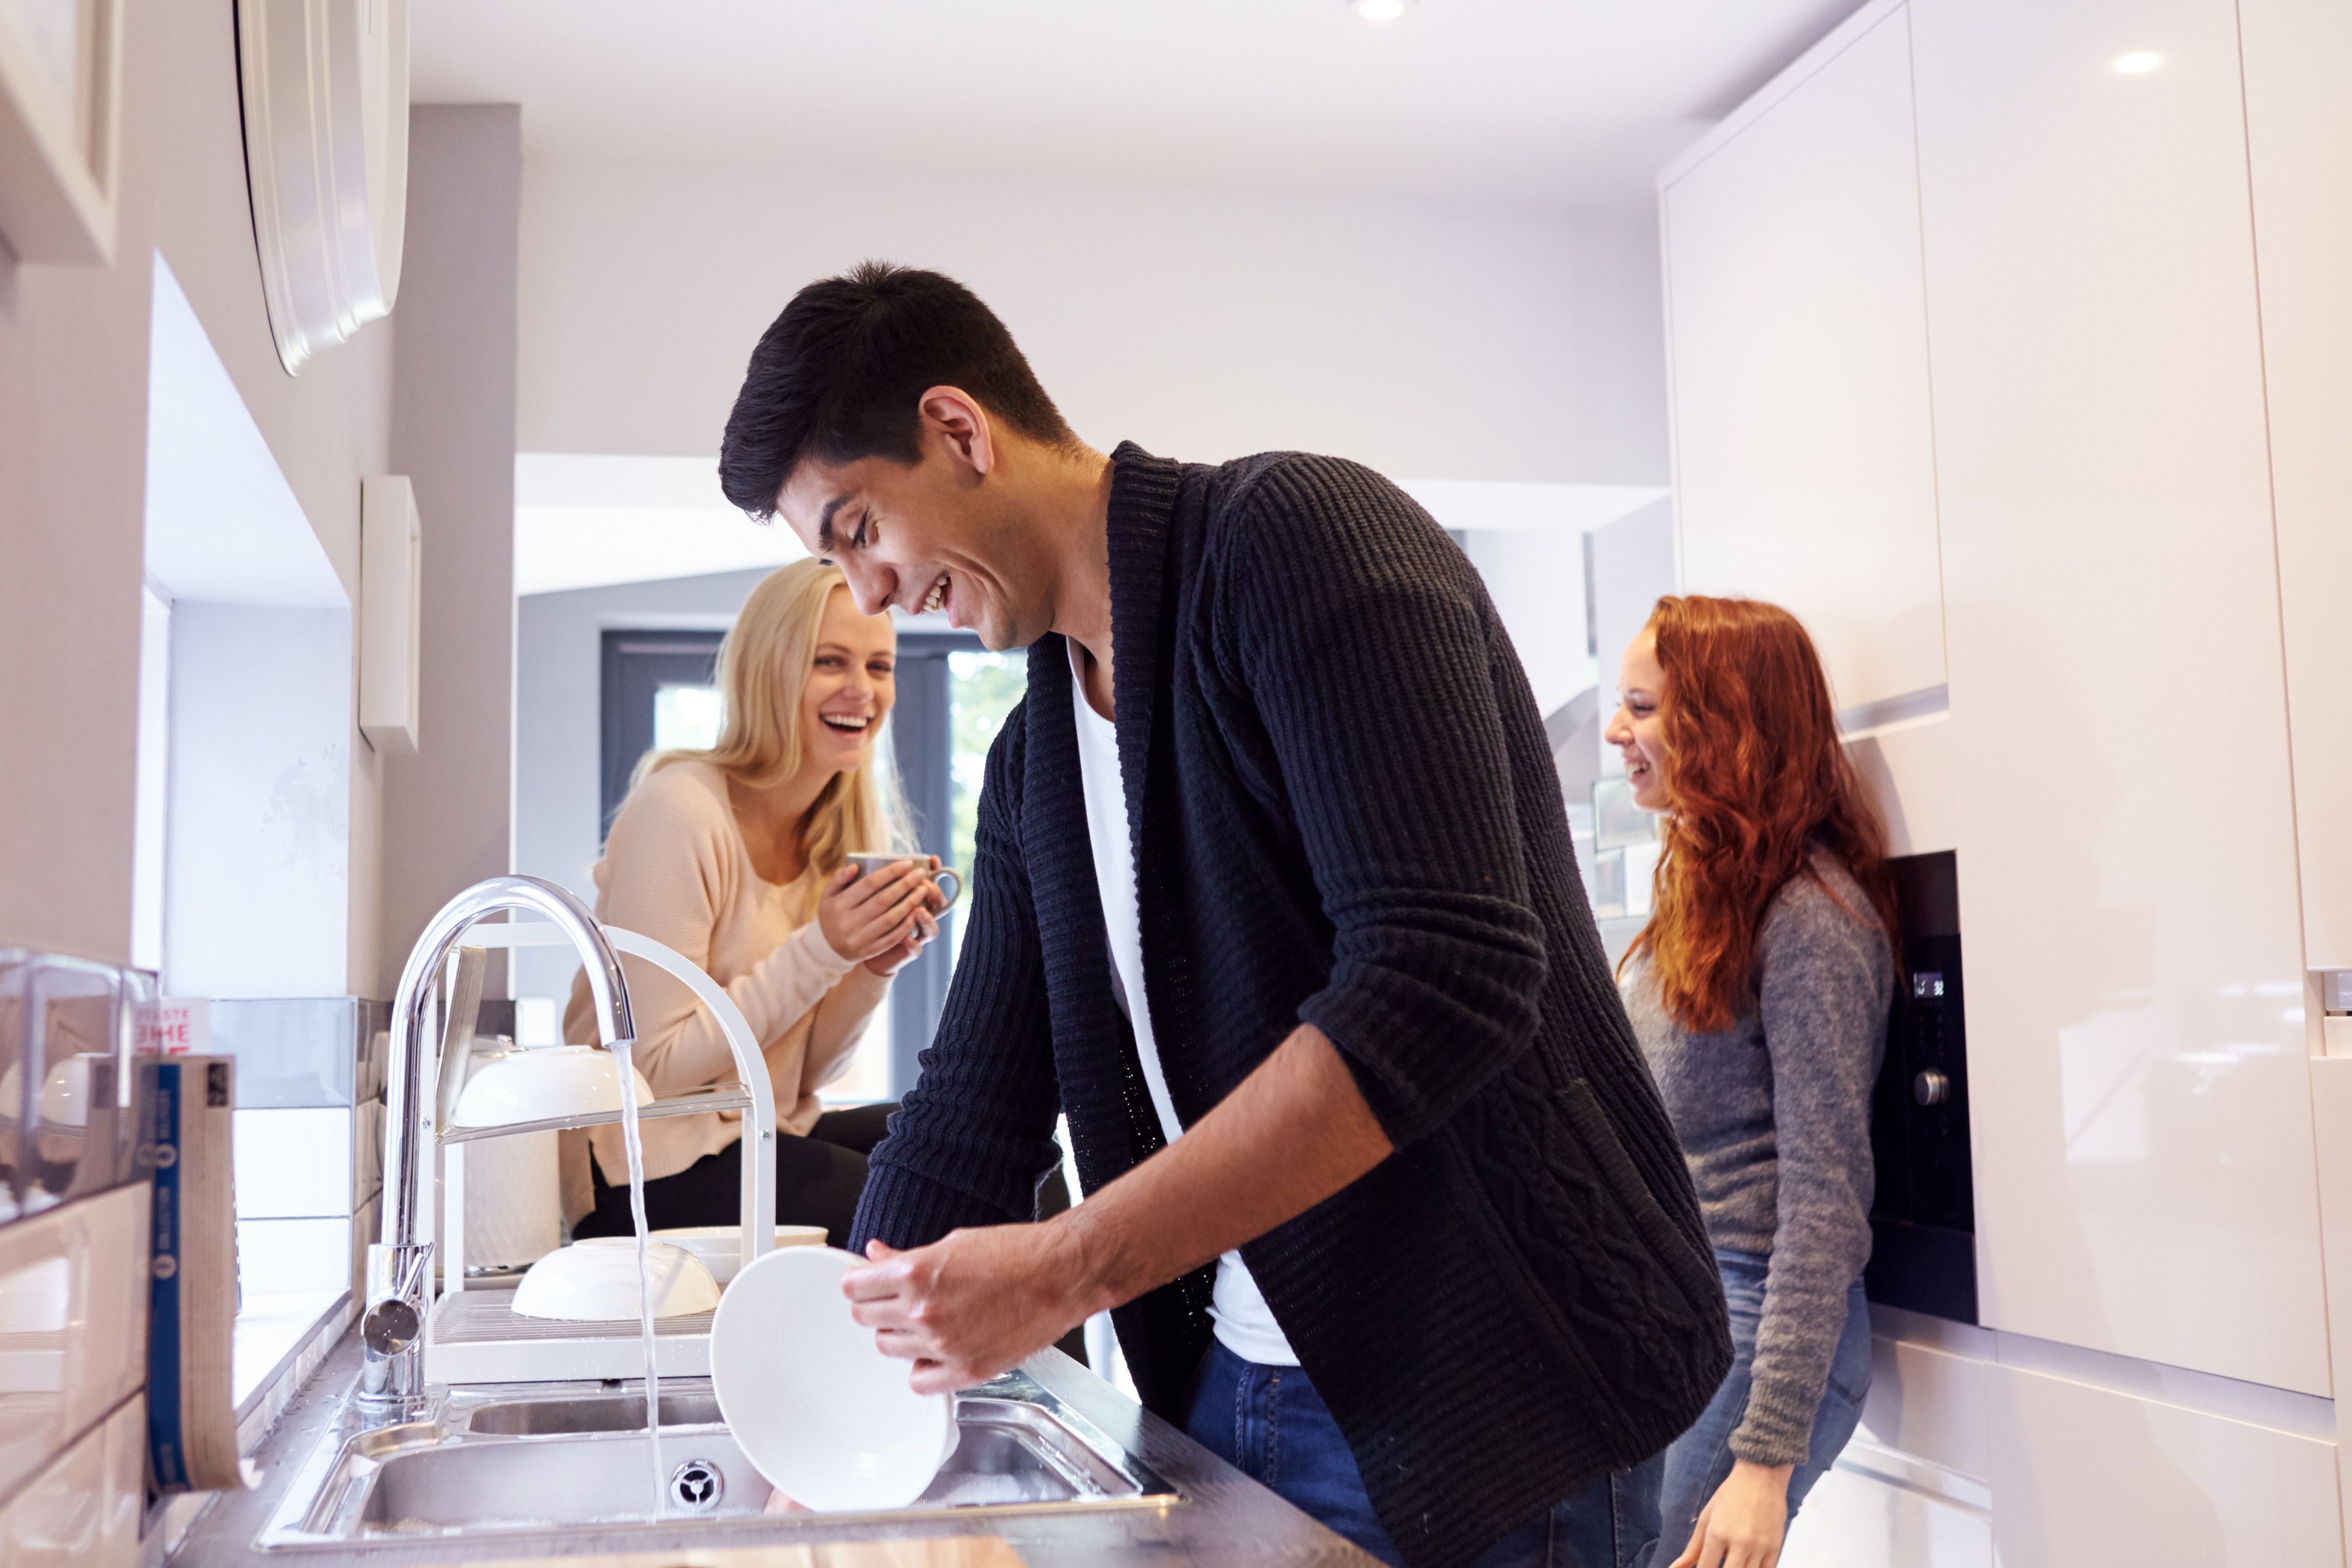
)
(1244, 1322)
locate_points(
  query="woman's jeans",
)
(1700, 1459)
(1270, 1424)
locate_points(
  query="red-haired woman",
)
(1759, 992)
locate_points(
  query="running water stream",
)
(624, 1070)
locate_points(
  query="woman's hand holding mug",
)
(878, 910)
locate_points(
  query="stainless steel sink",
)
(549, 1458)
(591, 1413)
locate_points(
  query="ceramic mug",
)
(868, 864)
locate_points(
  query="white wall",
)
(1633, 568)
(1426, 338)
(257, 843)
(447, 817)
(1536, 578)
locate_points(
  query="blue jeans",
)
(1700, 1459)
(1269, 1423)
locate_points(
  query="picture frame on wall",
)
(60, 117)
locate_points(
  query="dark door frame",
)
(634, 666)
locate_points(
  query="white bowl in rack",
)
(721, 1247)
(541, 1085)
(595, 1280)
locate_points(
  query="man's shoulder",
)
(1317, 510)
(1306, 482)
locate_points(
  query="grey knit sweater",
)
(1774, 1118)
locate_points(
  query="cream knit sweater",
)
(675, 869)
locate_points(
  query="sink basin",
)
(590, 1413)
(444, 1487)
(544, 1458)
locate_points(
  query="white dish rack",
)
(473, 1334)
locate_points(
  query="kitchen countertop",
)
(1225, 1519)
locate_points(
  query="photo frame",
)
(60, 128)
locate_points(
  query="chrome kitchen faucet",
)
(399, 1266)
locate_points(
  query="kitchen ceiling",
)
(1562, 102)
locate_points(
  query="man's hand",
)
(964, 1309)
(971, 1305)
(1744, 1522)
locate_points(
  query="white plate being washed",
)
(721, 1247)
(823, 1413)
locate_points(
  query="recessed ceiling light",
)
(2140, 62)
(1379, 10)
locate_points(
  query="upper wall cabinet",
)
(1804, 458)
(2146, 1164)
(2299, 147)
(60, 145)
(2044, 215)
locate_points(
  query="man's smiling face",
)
(942, 533)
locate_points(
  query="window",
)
(982, 689)
(953, 696)
(687, 719)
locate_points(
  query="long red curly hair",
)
(1755, 781)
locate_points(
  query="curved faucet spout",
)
(393, 1381)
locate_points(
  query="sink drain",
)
(697, 1484)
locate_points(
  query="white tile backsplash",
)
(294, 1164)
(274, 1255)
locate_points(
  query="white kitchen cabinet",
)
(2298, 56)
(1798, 344)
(2086, 1475)
(2141, 1101)
(2331, 1101)
(1854, 1520)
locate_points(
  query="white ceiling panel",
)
(1563, 101)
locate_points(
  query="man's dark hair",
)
(836, 377)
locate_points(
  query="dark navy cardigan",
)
(1344, 812)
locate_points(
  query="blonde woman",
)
(733, 856)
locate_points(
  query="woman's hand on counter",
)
(866, 917)
(1744, 1522)
(972, 1304)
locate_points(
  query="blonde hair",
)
(764, 668)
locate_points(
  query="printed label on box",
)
(174, 1026)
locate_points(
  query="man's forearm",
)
(1293, 1133)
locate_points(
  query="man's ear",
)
(954, 422)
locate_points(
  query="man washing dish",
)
(1274, 897)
